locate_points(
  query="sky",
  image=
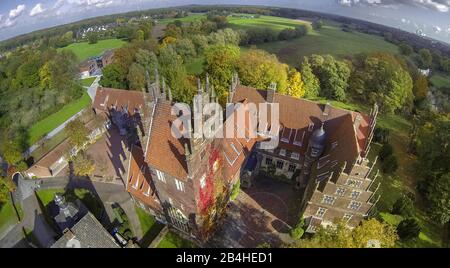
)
(429, 17)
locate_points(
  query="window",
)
(340, 191)
(203, 181)
(280, 164)
(354, 205)
(355, 194)
(320, 212)
(295, 155)
(291, 168)
(354, 183)
(329, 200)
(160, 176)
(268, 161)
(283, 152)
(180, 185)
(310, 126)
(347, 217)
(170, 201)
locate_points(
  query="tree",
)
(317, 24)
(92, 37)
(186, 49)
(220, 63)
(139, 35)
(83, 165)
(297, 232)
(389, 164)
(295, 86)
(258, 68)
(77, 133)
(408, 229)
(369, 233)
(420, 88)
(136, 77)
(403, 206)
(11, 152)
(6, 186)
(405, 49)
(332, 74)
(172, 69)
(385, 151)
(425, 59)
(373, 230)
(311, 82)
(383, 79)
(113, 76)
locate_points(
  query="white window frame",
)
(328, 199)
(354, 183)
(340, 191)
(160, 176)
(295, 155)
(321, 212)
(180, 185)
(203, 181)
(354, 205)
(282, 152)
(355, 194)
(347, 217)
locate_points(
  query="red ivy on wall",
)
(207, 192)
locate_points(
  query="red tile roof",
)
(106, 98)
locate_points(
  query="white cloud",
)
(7, 23)
(13, 13)
(37, 9)
(438, 5)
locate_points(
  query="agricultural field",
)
(84, 50)
(41, 128)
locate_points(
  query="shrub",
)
(297, 232)
(386, 150)
(381, 135)
(235, 190)
(403, 206)
(408, 229)
(390, 164)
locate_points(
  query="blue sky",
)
(431, 17)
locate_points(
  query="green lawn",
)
(7, 216)
(150, 228)
(84, 50)
(172, 240)
(41, 128)
(87, 82)
(329, 40)
(441, 81)
(275, 23)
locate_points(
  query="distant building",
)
(425, 72)
(94, 65)
(86, 233)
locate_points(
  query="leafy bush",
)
(403, 206)
(297, 232)
(390, 164)
(386, 150)
(236, 189)
(408, 229)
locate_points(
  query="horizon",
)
(21, 17)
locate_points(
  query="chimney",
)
(271, 92)
(357, 122)
(326, 110)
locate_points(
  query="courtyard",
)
(263, 213)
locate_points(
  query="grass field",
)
(87, 82)
(38, 130)
(84, 50)
(150, 228)
(441, 81)
(275, 23)
(7, 216)
(172, 240)
(329, 40)
(190, 18)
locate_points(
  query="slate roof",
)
(86, 233)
